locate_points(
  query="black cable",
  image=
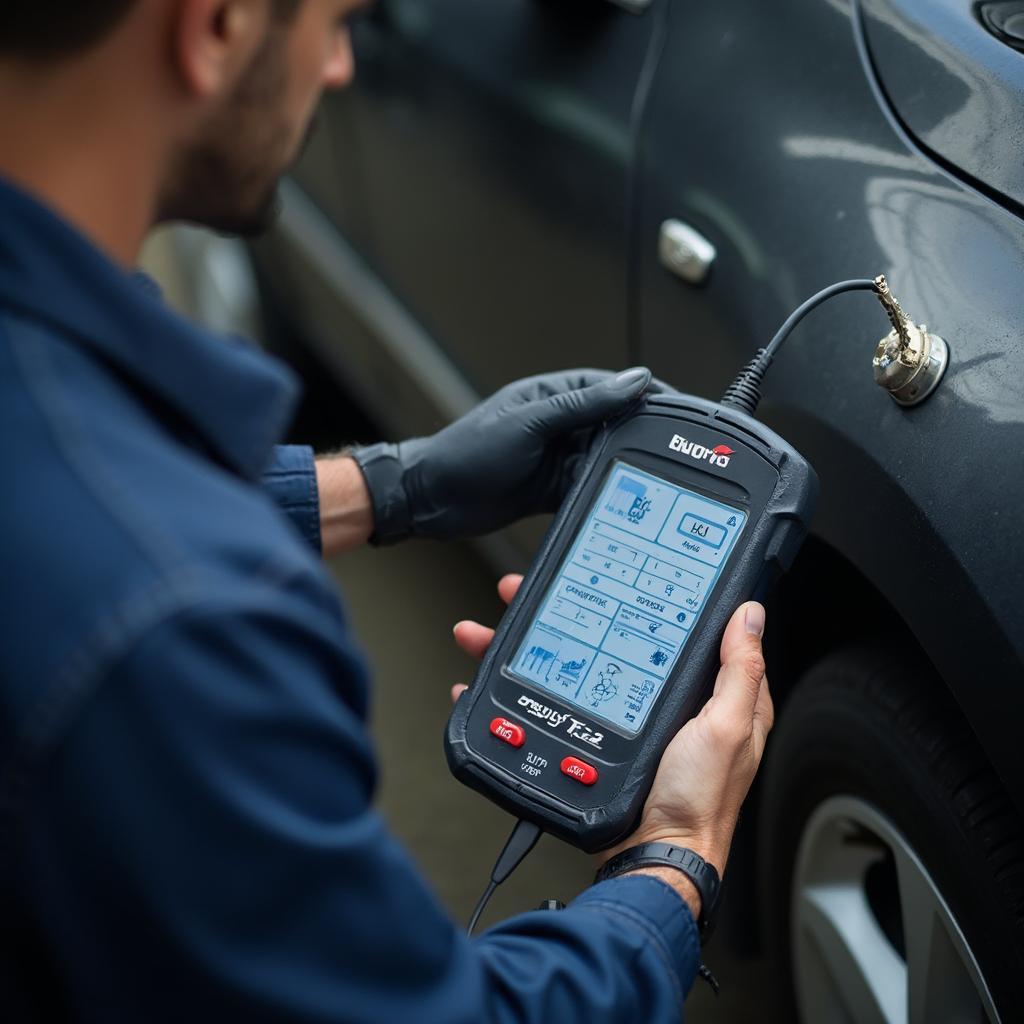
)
(857, 284)
(481, 903)
(522, 840)
(744, 392)
(705, 973)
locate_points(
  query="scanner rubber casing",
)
(768, 479)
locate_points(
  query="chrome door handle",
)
(685, 251)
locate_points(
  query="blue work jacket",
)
(186, 779)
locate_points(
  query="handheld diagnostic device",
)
(686, 509)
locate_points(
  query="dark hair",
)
(58, 28)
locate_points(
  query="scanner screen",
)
(626, 598)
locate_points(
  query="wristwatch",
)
(693, 865)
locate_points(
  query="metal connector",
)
(909, 361)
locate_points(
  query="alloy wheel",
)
(873, 940)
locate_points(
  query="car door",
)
(811, 142)
(495, 141)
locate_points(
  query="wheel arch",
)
(804, 629)
(880, 569)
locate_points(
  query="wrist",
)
(346, 511)
(714, 849)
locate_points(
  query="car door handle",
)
(685, 251)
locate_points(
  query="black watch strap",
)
(693, 865)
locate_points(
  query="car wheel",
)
(892, 861)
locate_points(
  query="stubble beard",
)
(227, 178)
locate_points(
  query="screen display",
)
(625, 600)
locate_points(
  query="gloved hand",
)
(516, 454)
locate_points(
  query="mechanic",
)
(186, 777)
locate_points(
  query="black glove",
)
(516, 454)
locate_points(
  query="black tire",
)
(860, 724)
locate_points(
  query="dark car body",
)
(486, 201)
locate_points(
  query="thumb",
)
(739, 679)
(585, 407)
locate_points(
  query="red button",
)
(508, 731)
(579, 770)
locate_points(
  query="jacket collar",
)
(237, 399)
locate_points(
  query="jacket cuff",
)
(290, 480)
(655, 908)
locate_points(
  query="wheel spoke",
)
(847, 968)
(944, 981)
(866, 978)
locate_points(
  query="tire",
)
(886, 840)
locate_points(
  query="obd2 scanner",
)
(686, 509)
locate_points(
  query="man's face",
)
(227, 177)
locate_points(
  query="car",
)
(517, 186)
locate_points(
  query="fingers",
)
(583, 407)
(472, 637)
(543, 385)
(508, 586)
(738, 686)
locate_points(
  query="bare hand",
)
(473, 638)
(708, 767)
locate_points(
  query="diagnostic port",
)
(909, 361)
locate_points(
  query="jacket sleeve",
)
(290, 480)
(204, 846)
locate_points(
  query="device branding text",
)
(717, 456)
(556, 719)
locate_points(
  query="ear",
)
(214, 40)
